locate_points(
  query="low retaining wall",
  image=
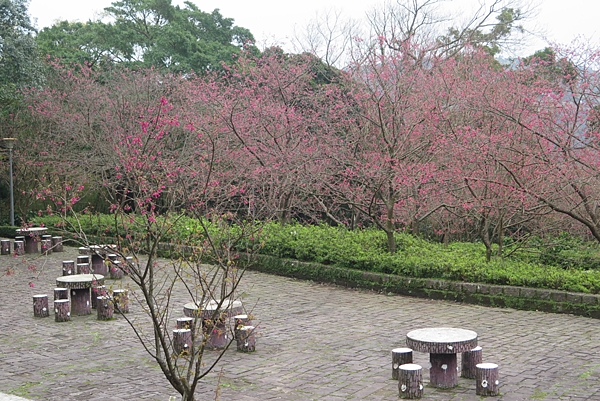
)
(480, 294)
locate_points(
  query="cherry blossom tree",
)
(133, 137)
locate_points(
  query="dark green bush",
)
(8, 231)
(366, 250)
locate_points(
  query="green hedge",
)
(8, 231)
(366, 250)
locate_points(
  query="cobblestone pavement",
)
(317, 342)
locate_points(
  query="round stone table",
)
(98, 254)
(442, 344)
(32, 238)
(80, 286)
(217, 338)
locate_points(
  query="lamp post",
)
(10, 144)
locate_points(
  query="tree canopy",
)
(145, 33)
(19, 64)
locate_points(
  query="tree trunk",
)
(390, 226)
(500, 235)
(484, 226)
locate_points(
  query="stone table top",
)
(441, 340)
(79, 280)
(192, 309)
(97, 249)
(32, 230)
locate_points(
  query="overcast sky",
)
(272, 21)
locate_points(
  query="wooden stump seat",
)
(182, 341)
(246, 339)
(104, 307)
(469, 360)
(57, 244)
(121, 300)
(40, 305)
(400, 356)
(68, 267)
(410, 381)
(19, 247)
(61, 293)
(62, 310)
(185, 323)
(487, 383)
(4, 247)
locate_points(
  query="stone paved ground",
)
(318, 342)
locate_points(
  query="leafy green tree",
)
(19, 62)
(79, 43)
(145, 33)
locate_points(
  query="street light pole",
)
(10, 144)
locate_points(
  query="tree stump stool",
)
(216, 331)
(487, 383)
(57, 245)
(116, 271)
(61, 293)
(40, 305)
(83, 259)
(192, 310)
(400, 356)
(68, 267)
(80, 285)
(20, 238)
(5, 247)
(98, 291)
(185, 323)
(469, 360)
(240, 321)
(410, 381)
(182, 341)
(83, 268)
(62, 310)
(246, 340)
(121, 300)
(19, 247)
(128, 265)
(105, 308)
(46, 247)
